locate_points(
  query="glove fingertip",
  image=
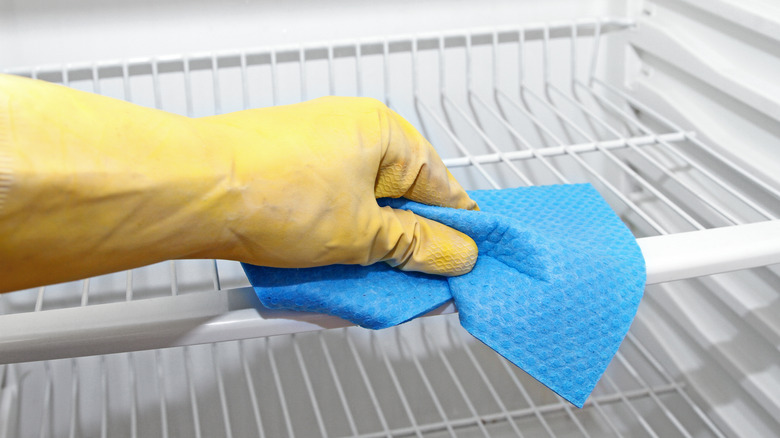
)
(442, 251)
(457, 257)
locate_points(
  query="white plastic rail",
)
(199, 318)
(704, 252)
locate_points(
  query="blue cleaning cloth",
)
(556, 285)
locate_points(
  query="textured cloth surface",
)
(554, 290)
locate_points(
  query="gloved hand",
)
(90, 185)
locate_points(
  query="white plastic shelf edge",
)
(698, 253)
(200, 318)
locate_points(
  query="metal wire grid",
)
(428, 378)
(609, 132)
(497, 104)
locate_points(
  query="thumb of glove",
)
(413, 243)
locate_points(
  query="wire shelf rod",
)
(126, 90)
(667, 413)
(567, 150)
(429, 388)
(597, 405)
(215, 86)
(302, 73)
(594, 60)
(396, 383)
(533, 30)
(104, 398)
(132, 377)
(478, 129)
(48, 406)
(385, 75)
(563, 404)
(156, 85)
(677, 387)
(193, 396)
(712, 177)
(630, 144)
(160, 368)
(331, 74)
(674, 177)
(691, 137)
(546, 80)
(459, 386)
(369, 387)
(596, 144)
(307, 383)
(279, 390)
(505, 363)
(458, 144)
(638, 178)
(518, 413)
(466, 347)
(534, 152)
(487, 140)
(85, 292)
(358, 69)
(221, 390)
(215, 275)
(502, 119)
(549, 85)
(251, 387)
(533, 407)
(622, 395)
(567, 408)
(74, 397)
(448, 129)
(337, 383)
(174, 277)
(245, 101)
(594, 53)
(623, 166)
(189, 108)
(471, 123)
(560, 149)
(493, 394)
(95, 79)
(39, 299)
(521, 85)
(10, 400)
(129, 285)
(274, 81)
(420, 104)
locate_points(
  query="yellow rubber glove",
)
(90, 185)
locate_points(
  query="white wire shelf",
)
(525, 118)
(429, 378)
(502, 112)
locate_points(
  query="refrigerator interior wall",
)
(507, 104)
(711, 66)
